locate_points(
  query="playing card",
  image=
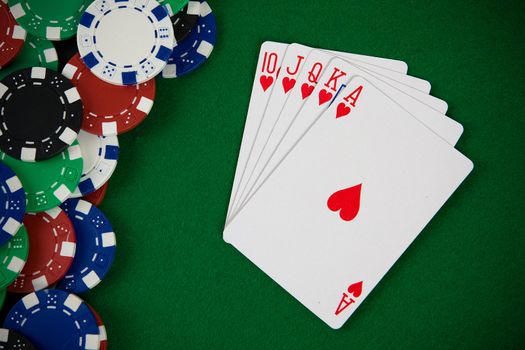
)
(292, 63)
(387, 63)
(406, 83)
(347, 201)
(314, 66)
(403, 78)
(285, 81)
(268, 65)
(289, 129)
(263, 88)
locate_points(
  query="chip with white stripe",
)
(100, 155)
(12, 36)
(53, 234)
(102, 335)
(13, 256)
(37, 52)
(125, 42)
(196, 48)
(118, 110)
(54, 319)
(57, 22)
(96, 246)
(50, 182)
(12, 203)
(40, 114)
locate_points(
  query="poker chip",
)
(102, 335)
(96, 246)
(52, 235)
(193, 51)
(37, 52)
(40, 114)
(50, 182)
(53, 320)
(13, 256)
(173, 6)
(97, 197)
(13, 199)
(12, 36)
(125, 43)
(185, 20)
(100, 155)
(11, 340)
(118, 110)
(58, 21)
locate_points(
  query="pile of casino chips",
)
(59, 145)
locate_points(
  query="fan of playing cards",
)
(344, 160)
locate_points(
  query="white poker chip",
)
(125, 42)
(100, 156)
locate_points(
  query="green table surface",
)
(176, 285)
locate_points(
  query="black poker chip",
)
(185, 20)
(11, 340)
(40, 114)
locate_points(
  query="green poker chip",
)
(13, 256)
(37, 52)
(56, 20)
(48, 183)
(174, 6)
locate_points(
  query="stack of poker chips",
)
(59, 145)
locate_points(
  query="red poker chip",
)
(109, 109)
(97, 197)
(12, 36)
(103, 344)
(52, 245)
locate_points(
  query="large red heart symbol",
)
(324, 96)
(266, 81)
(342, 110)
(346, 201)
(288, 84)
(306, 90)
(355, 289)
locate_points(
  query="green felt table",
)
(176, 285)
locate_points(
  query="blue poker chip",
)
(12, 203)
(193, 51)
(54, 320)
(96, 246)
